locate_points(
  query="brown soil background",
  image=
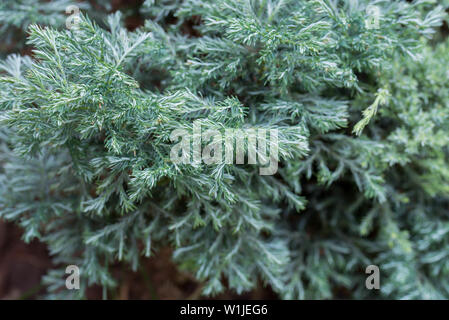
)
(22, 266)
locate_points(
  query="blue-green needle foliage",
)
(17, 15)
(360, 103)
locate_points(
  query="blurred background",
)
(22, 265)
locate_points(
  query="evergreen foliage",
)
(362, 112)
